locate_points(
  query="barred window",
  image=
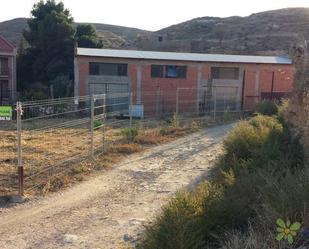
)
(112, 69)
(157, 71)
(229, 73)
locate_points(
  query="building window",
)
(4, 66)
(157, 71)
(111, 69)
(173, 71)
(227, 73)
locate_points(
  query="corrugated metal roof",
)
(151, 55)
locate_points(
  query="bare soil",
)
(110, 210)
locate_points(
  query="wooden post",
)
(20, 167)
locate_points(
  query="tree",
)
(47, 62)
(86, 36)
(51, 40)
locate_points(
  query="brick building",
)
(7, 71)
(145, 73)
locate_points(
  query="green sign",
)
(5, 112)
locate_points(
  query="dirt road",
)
(110, 209)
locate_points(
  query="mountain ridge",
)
(268, 33)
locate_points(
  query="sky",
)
(150, 15)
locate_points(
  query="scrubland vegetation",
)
(260, 178)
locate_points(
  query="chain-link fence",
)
(47, 137)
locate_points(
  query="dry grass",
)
(45, 153)
(127, 148)
(53, 159)
(151, 137)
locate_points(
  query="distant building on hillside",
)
(155, 78)
(7, 71)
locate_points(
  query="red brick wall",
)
(164, 90)
(283, 81)
(167, 87)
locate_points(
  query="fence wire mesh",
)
(58, 133)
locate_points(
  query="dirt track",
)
(111, 208)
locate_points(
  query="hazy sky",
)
(150, 15)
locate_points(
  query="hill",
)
(111, 35)
(12, 29)
(270, 32)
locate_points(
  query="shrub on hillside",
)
(272, 188)
(284, 195)
(178, 226)
(260, 136)
(266, 107)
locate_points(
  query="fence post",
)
(157, 101)
(131, 109)
(215, 103)
(104, 122)
(131, 115)
(92, 126)
(177, 107)
(20, 167)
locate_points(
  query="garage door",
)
(117, 96)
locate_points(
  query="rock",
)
(127, 237)
(69, 238)
(17, 199)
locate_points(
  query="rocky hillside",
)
(111, 35)
(12, 29)
(271, 32)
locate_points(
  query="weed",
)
(55, 183)
(125, 148)
(152, 137)
(98, 123)
(227, 115)
(129, 134)
(266, 107)
(194, 126)
(172, 121)
(80, 169)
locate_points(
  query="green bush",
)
(98, 123)
(179, 224)
(261, 178)
(251, 142)
(129, 133)
(266, 107)
(163, 131)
